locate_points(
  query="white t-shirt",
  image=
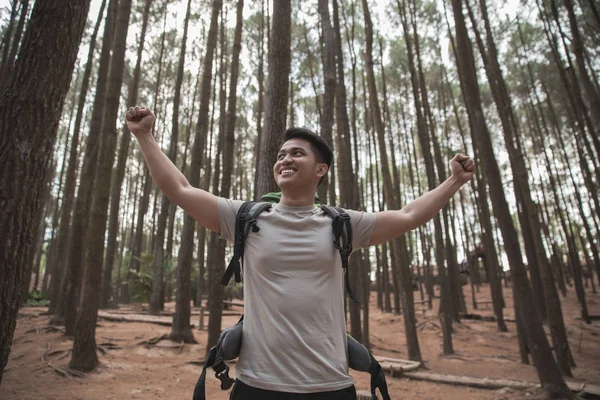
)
(294, 337)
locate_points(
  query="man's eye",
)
(297, 153)
(280, 157)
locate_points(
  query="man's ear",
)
(323, 168)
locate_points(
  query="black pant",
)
(241, 391)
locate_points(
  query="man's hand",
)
(140, 120)
(463, 168)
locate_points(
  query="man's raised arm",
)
(393, 223)
(198, 203)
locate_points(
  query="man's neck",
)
(297, 199)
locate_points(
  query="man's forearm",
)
(424, 208)
(165, 174)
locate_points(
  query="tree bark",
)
(8, 61)
(414, 352)
(260, 104)
(119, 174)
(69, 300)
(276, 94)
(216, 290)
(84, 345)
(181, 329)
(30, 108)
(62, 237)
(159, 255)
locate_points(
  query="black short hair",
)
(324, 152)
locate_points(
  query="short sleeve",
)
(363, 224)
(227, 210)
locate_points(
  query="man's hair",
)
(323, 152)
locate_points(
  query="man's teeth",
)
(287, 171)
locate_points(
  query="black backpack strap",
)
(342, 240)
(216, 361)
(244, 220)
(378, 380)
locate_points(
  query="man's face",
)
(297, 166)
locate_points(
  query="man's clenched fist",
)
(463, 167)
(140, 120)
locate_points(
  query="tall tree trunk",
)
(69, 300)
(40, 81)
(260, 104)
(276, 95)
(6, 40)
(546, 367)
(216, 290)
(84, 345)
(349, 196)
(493, 271)
(327, 116)
(412, 341)
(590, 91)
(448, 309)
(181, 319)
(16, 40)
(62, 237)
(530, 222)
(40, 229)
(8, 62)
(159, 254)
(117, 181)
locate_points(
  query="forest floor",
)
(131, 370)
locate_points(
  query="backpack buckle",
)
(252, 223)
(222, 373)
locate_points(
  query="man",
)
(294, 334)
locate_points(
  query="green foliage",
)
(37, 299)
(141, 282)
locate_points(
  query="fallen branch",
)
(485, 383)
(395, 367)
(478, 317)
(153, 319)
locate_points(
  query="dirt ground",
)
(130, 370)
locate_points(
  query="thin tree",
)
(412, 340)
(260, 103)
(181, 329)
(216, 291)
(84, 356)
(71, 282)
(548, 372)
(276, 94)
(159, 256)
(70, 177)
(8, 62)
(117, 181)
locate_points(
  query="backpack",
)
(229, 343)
